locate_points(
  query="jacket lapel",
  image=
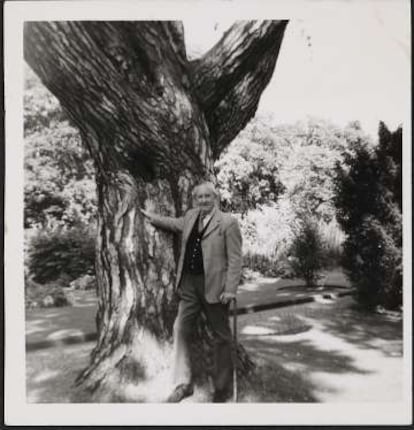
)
(213, 224)
(189, 225)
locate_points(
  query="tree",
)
(307, 252)
(153, 123)
(59, 187)
(368, 200)
(248, 171)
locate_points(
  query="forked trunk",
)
(154, 123)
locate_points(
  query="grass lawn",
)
(327, 351)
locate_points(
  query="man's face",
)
(205, 199)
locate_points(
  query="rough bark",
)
(231, 77)
(153, 123)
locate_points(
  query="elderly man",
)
(208, 275)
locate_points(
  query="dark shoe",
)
(180, 392)
(221, 396)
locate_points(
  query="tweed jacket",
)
(221, 244)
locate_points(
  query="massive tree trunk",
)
(154, 123)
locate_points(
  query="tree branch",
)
(126, 84)
(230, 78)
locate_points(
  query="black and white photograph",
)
(208, 203)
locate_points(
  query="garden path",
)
(71, 324)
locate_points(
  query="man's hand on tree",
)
(146, 214)
(226, 298)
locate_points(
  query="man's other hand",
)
(226, 298)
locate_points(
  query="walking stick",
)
(234, 300)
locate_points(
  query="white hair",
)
(209, 185)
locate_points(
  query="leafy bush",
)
(265, 265)
(374, 261)
(332, 239)
(51, 294)
(307, 252)
(247, 176)
(296, 162)
(268, 231)
(59, 188)
(368, 201)
(268, 235)
(53, 254)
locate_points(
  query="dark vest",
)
(193, 259)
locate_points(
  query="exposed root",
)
(138, 372)
(141, 370)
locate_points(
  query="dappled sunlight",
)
(286, 294)
(326, 351)
(87, 304)
(50, 373)
(45, 375)
(259, 283)
(390, 348)
(36, 326)
(250, 286)
(321, 299)
(43, 324)
(155, 356)
(267, 281)
(61, 334)
(345, 356)
(35, 396)
(350, 387)
(256, 330)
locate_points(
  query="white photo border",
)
(17, 410)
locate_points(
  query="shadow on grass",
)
(361, 328)
(50, 373)
(284, 369)
(286, 361)
(42, 324)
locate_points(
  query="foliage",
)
(46, 295)
(41, 108)
(247, 173)
(302, 157)
(306, 252)
(268, 231)
(332, 239)
(59, 194)
(59, 186)
(271, 175)
(308, 167)
(57, 253)
(266, 265)
(368, 201)
(267, 162)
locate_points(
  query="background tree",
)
(276, 175)
(307, 259)
(153, 123)
(248, 170)
(59, 189)
(369, 205)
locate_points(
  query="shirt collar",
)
(207, 217)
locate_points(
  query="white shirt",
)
(207, 217)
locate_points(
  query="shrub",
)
(332, 239)
(368, 201)
(306, 252)
(47, 295)
(52, 254)
(375, 262)
(264, 264)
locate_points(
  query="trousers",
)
(192, 302)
